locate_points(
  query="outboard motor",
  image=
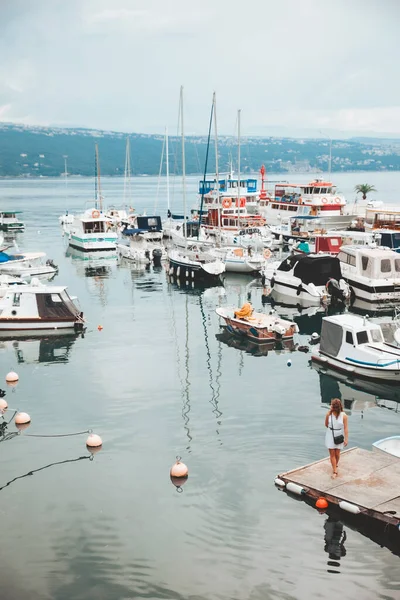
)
(334, 290)
(157, 255)
(50, 263)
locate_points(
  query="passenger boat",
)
(390, 445)
(316, 199)
(90, 232)
(356, 346)
(10, 221)
(256, 326)
(307, 280)
(31, 264)
(219, 195)
(372, 273)
(37, 307)
(232, 217)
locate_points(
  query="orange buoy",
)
(12, 377)
(22, 418)
(3, 405)
(100, 327)
(322, 503)
(94, 441)
(179, 470)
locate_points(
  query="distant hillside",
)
(38, 151)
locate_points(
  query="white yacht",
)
(372, 273)
(390, 445)
(10, 221)
(307, 280)
(356, 346)
(37, 307)
(91, 232)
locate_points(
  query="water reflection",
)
(356, 394)
(335, 537)
(55, 349)
(253, 348)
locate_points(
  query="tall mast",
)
(216, 161)
(167, 166)
(238, 186)
(65, 178)
(183, 166)
(97, 183)
(127, 174)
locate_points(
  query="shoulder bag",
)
(337, 439)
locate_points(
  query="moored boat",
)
(257, 326)
(198, 265)
(356, 346)
(10, 221)
(390, 445)
(37, 307)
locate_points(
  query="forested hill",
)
(27, 151)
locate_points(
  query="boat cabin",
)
(373, 263)
(342, 333)
(91, 225)
(227, 185)
(382, 217)
(313, 268)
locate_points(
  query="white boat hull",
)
(34, 325)
(98, 245)
(359, 370)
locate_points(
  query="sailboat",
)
(192, 264)
(89, 231)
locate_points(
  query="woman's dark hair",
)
(336, 406)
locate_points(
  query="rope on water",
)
(56, 435)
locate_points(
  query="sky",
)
(317, 68)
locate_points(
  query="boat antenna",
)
(159, 179)
(127, 177)
(167, 166)
(65, 179)
(238, 186)
(95, 176)
(206, 163)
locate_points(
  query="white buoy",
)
(22, 418)
(294, 488)
(178, 272)
(348, 507)
(12, 377)
(94, 441)
(3, 405)
(279, 482)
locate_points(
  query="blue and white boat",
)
(356, 346)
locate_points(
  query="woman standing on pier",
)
(337, 433)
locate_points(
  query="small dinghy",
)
(390, 445)
(256, 326)
(356, 346)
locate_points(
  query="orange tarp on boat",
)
(245, 312)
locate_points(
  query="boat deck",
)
(368, 479)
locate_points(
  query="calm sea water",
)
(157, 381)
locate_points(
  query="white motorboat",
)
(199, 265)
(307, 280)
(356, 346)
(37, 307)
(241, 260)
(10, 221)
(390, 445)
(372, 273)
(91, 232)
(30, 264)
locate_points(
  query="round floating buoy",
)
(22, 418)
(100, 327)
(321, 503)
(289, 363)
(3, 405)
(12, 377)
(179, 474)
(94, 441)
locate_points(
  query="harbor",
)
(156, 373)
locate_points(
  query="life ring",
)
(95, 214)
(324, 200)
(337, 200)
(226, 202)
(267, 253)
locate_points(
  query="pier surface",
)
(369, 479)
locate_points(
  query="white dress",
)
(338, 426)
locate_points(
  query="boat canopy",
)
(376, 263)
(316, 269)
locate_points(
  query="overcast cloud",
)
(292, 66)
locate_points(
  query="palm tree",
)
(364, 189)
